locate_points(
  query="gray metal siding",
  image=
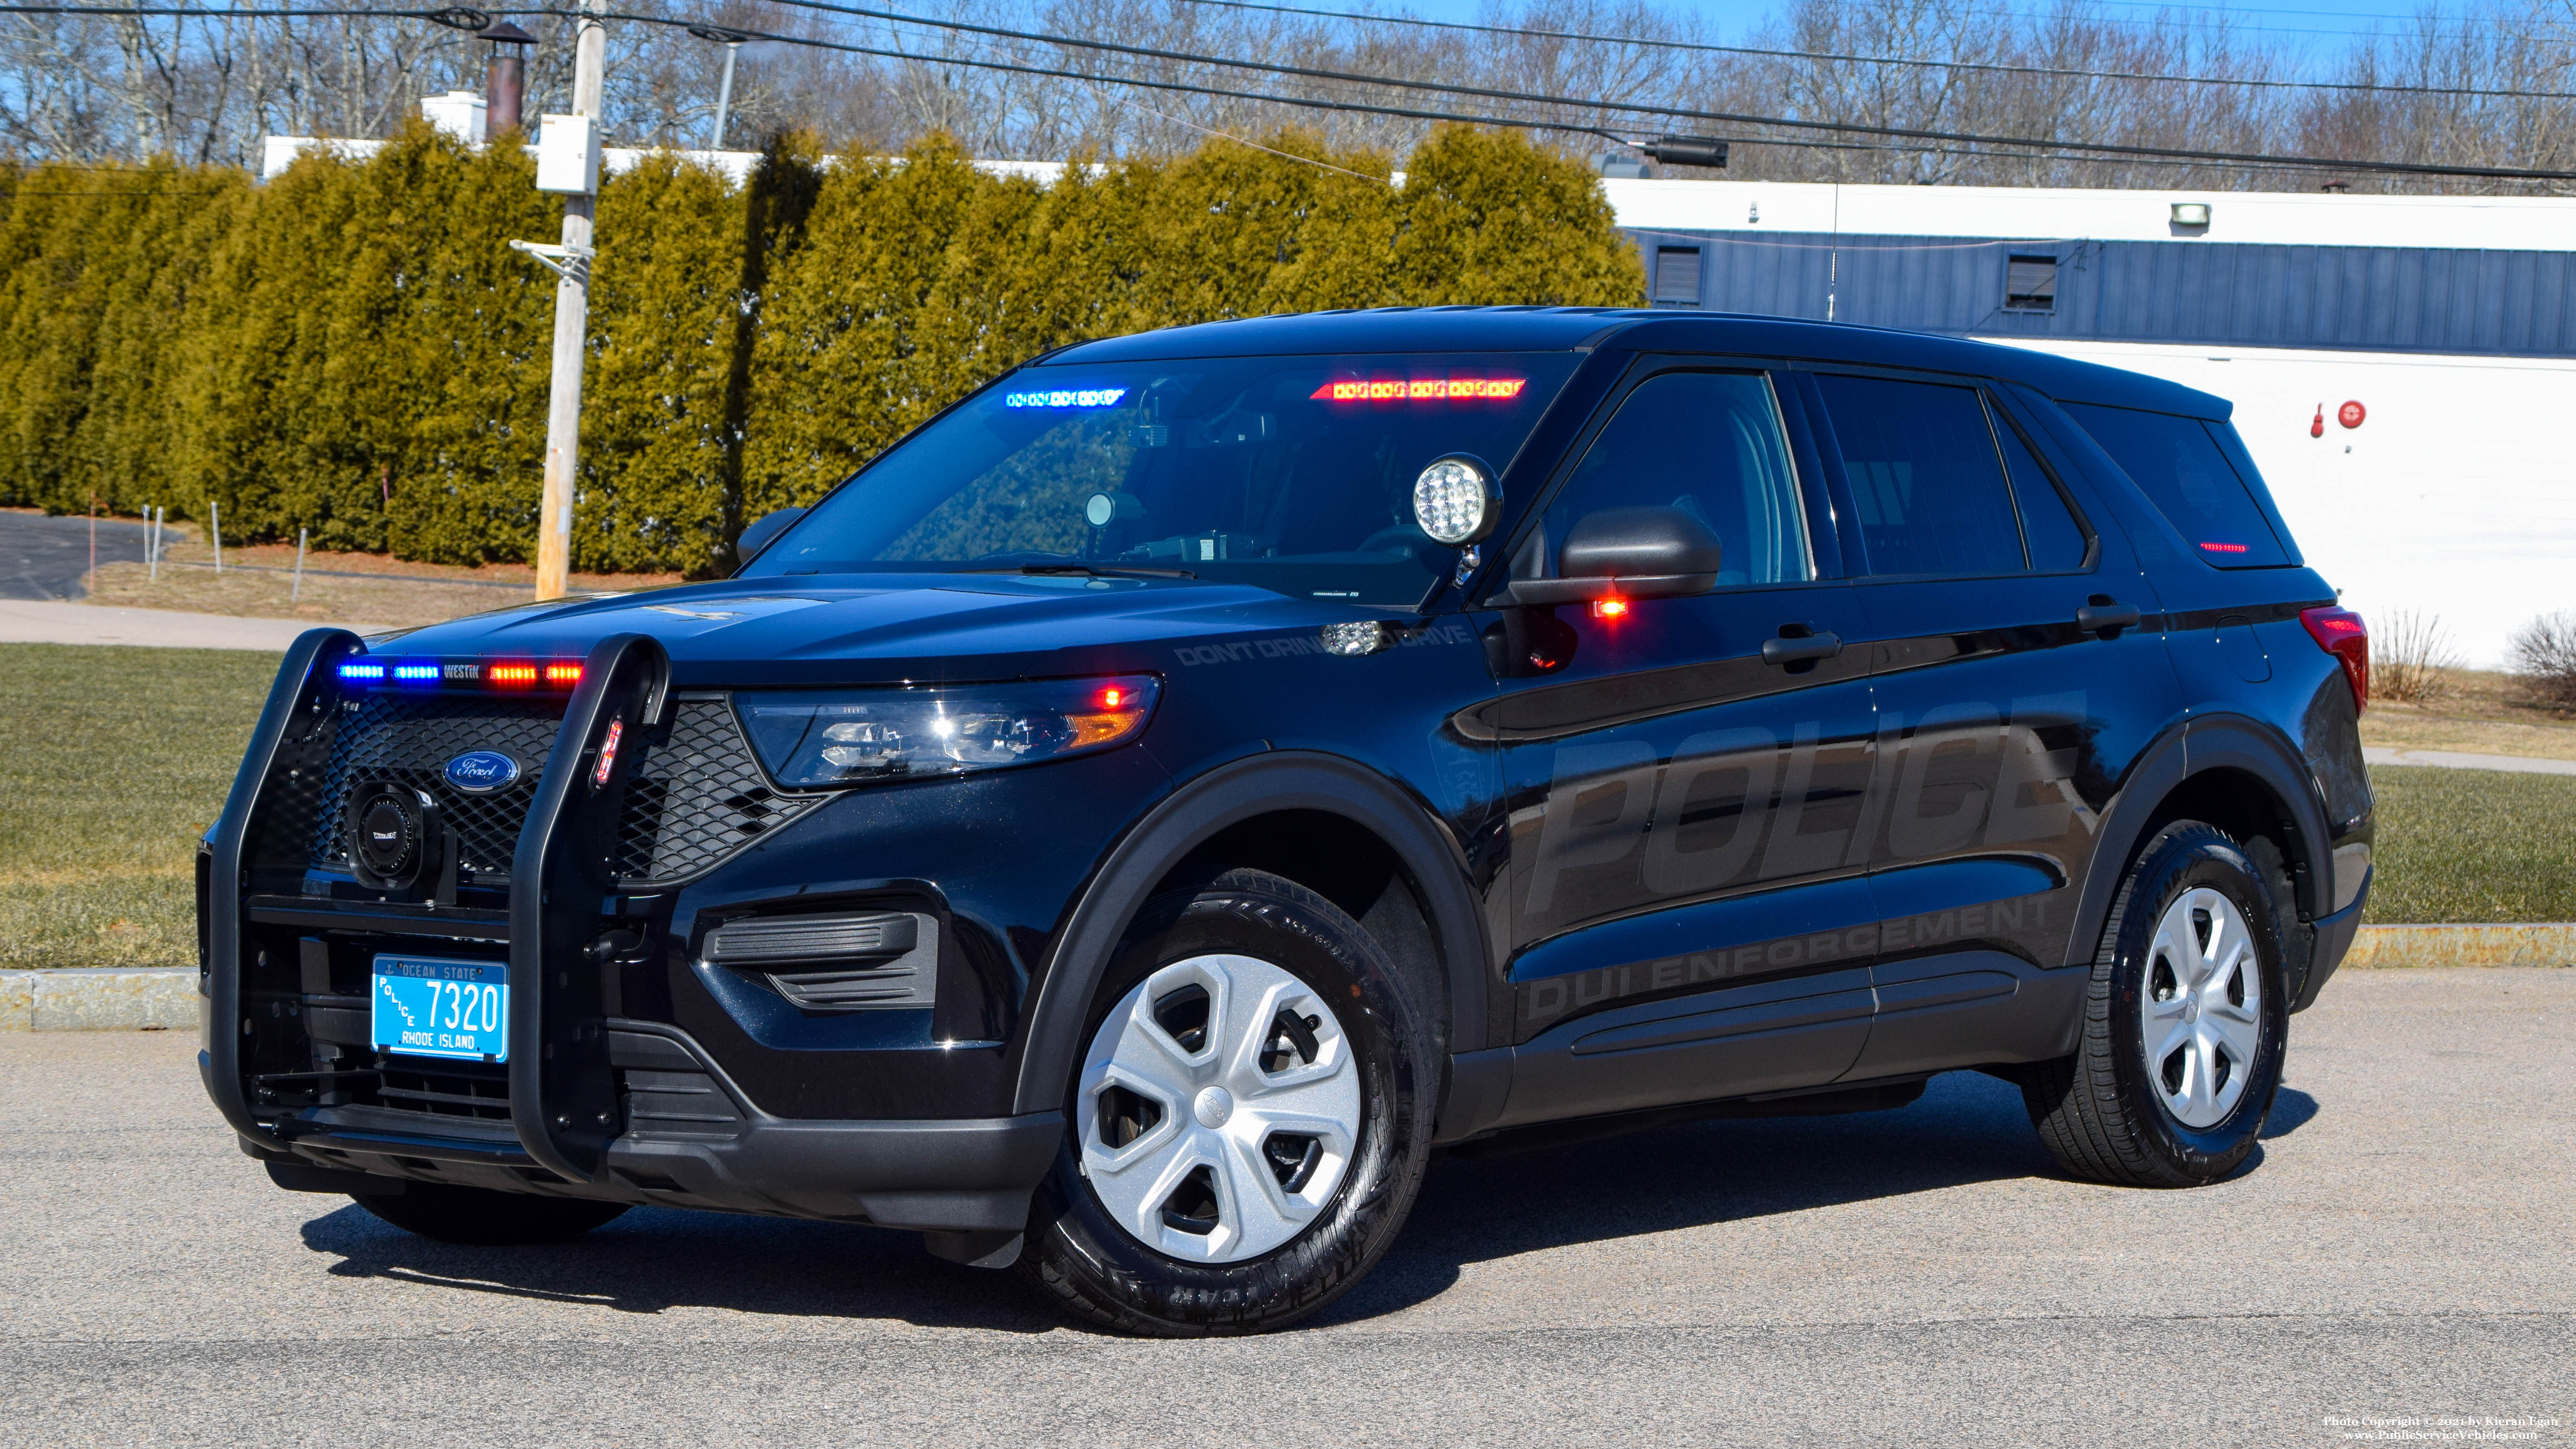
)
(2394, 299)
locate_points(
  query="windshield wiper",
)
(1099, 571)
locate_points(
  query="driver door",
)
(1687, 838)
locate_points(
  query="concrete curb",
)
(99, 999)
(2552, 944)
(159, 999)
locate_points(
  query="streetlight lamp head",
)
(505, 80)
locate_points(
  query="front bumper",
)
(591, 1102)
(694, 1141)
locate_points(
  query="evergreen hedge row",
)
(352, 349)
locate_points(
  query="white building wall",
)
(2289, 218)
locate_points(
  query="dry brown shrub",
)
(2412, 658)
(2544, 656)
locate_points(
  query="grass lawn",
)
(2473, 845)
(114, 760)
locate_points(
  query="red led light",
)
(607, 754)
(2223, 547)
(1112, 697)
(563, 674)
(1613, 607)
(513, 674)
(1420, 389)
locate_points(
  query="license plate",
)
(426, 1006)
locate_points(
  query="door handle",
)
(1789, 650)
(2102, 616)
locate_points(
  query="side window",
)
(2184, 472)
(2057, 542)
(1925, 477)
(1709, 444)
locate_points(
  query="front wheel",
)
(1250, 1119)
(2185, 1025)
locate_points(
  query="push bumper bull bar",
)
(565, 1132)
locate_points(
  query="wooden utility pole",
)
(572, 324)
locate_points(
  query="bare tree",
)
(2484, 87)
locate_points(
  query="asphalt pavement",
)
(2400, 1250)
(43, 557)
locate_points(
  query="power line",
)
(2287, 164)
(452, 16)
(1735, 118)
(2017, 144)
(1995, 67)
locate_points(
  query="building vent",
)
(1676, 276)
(2030, 284)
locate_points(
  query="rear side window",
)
(2178, 463)
(1925, 477)
(2057, 542)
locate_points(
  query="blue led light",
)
(416, 671)
(1066, 397)
(362, 671)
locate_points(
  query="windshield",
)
(1292, 473)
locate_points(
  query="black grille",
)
(695, 798)
(471, 1090)
(410, 738)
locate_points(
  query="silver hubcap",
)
(1218, 1109)
(2202, 1015)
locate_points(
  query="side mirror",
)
(762, 531)
(1654, 552)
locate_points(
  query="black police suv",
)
(1126, 827)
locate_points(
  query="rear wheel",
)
(2185, 1023)
(485, 1218)
(1250, 1118)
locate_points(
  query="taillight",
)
(2341, 633)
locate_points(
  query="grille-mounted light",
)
(424, 673)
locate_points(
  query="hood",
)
(862, 628)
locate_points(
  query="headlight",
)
(847, 736)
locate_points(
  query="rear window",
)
(2181, 467)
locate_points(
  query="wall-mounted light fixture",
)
(2191, 213)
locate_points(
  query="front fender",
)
(1431, 857)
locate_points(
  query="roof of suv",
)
(1548, 329)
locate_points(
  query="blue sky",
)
(2321, 26)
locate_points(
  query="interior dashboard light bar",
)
(1066, 397)
(1420, 389)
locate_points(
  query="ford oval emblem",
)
(480, 772)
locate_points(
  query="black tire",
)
(483, 1218)
(2099, 1111)
(1092, 1267)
